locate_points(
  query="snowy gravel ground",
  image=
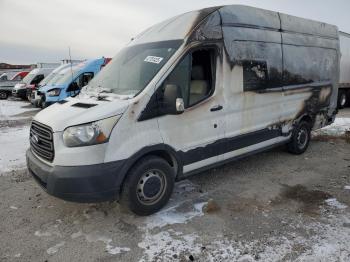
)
(268, 207)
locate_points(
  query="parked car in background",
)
(32, 91)
(7, 75)
(31, 80)
(12, 78)
(190, 93)
(19, 76)
(69, 81)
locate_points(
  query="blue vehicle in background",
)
(69, 81)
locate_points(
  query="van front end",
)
(83, 184)
(67, 159)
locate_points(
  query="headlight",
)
(54, 92)
(90, 134)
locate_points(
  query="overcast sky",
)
(41, 30)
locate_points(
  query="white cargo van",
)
(190, 93)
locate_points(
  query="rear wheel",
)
(300, 138)
(3, 95)
(342, 99)
(148, 186)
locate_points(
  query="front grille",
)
(41, 141)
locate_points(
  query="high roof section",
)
(207, 23)
(178, 27)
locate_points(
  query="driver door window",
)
(37, 79)
(195, 76)
(80, 82)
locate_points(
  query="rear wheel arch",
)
(308, 119)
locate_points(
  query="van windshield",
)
(65, 75)
(47, 79)
(28, 78)
(133, 68)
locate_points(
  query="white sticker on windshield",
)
(153, 59)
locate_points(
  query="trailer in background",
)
(344, 81)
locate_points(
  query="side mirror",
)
(173, 102)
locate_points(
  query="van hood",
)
(74, 111)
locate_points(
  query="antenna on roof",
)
(71, 64)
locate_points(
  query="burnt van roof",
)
(209, 22)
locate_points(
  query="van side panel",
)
(299, 54)
(301, 58)
(311, 55)
(244, 16)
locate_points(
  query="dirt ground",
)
(272, 206)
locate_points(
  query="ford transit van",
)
(31, 80)
(32, 92)
(69, 81)
(188, 94)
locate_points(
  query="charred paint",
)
(291, 61)
(296, 51)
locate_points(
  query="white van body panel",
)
(55, 116)
(124, 141)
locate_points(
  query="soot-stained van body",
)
(192, 92)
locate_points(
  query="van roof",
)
(186, 25)
(41, 70)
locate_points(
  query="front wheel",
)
(3, 95)
(300, 139)
(148, 186)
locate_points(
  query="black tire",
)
(135, 190)
(342, 99)
(3, 95)
(300, 139)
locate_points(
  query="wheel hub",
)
(151, 187)
(302, 138)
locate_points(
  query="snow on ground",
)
(11, 109)
(14, 142)
(330, 242)
(171, 216)
(338, 128)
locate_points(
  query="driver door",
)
(195, 134)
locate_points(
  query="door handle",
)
(216, 108)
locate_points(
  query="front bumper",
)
(22, 93)
(85, 184)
